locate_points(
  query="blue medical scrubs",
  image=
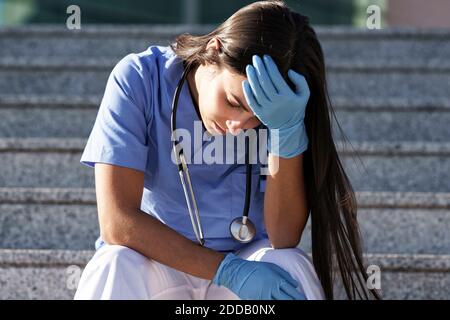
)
(132, 129)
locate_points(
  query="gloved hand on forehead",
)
(277, 106)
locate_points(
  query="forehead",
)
(232, 81)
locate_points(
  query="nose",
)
(234, 126)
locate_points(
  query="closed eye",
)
(240, 104)
(234, 106)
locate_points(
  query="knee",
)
(120, 255)
(115, 272)
(290, 253)
(299, 265)
(288, 258)
(279, 254)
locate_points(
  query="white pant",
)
(118, 272)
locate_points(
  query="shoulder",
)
(137, 73)
(142, 64)
(137, 66)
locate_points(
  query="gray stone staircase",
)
(391, 93)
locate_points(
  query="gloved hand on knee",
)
(256, 280)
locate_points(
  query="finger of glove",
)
(264, 78)
(293, 292)
(256, 87)
(281, 295)
(286, 276)
(275, 75)
(251, 101)
(301, 85)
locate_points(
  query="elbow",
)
(108, 237)
(284, 243)
(111, 237)
(284, 237)
(112, 233)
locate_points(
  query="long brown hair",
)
(270, 27)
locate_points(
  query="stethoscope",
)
(241, 228)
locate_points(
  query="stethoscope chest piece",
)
(242, 229)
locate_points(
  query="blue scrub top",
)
(132, 129)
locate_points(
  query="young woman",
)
(262, 69)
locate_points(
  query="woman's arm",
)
(285, 207)
(282, 110)
(119, 194)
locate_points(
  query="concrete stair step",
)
(400, 222)
(48, 218)
(378, 166)
(102, 63)
(341, 43)
(393, 124)
(379, 120)
(72, 76)
(54, 218)
(378, 103)
(361, 81)
(54, 274)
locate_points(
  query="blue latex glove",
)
(279, 108)
(256, 280)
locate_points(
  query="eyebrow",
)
(240, 102)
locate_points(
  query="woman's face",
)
(220, 98)
(222, 103)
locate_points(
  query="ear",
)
(214, 43)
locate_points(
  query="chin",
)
(214, 133)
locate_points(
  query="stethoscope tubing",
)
(182, 166)
(185, 177)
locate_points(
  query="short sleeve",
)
(119, 135)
